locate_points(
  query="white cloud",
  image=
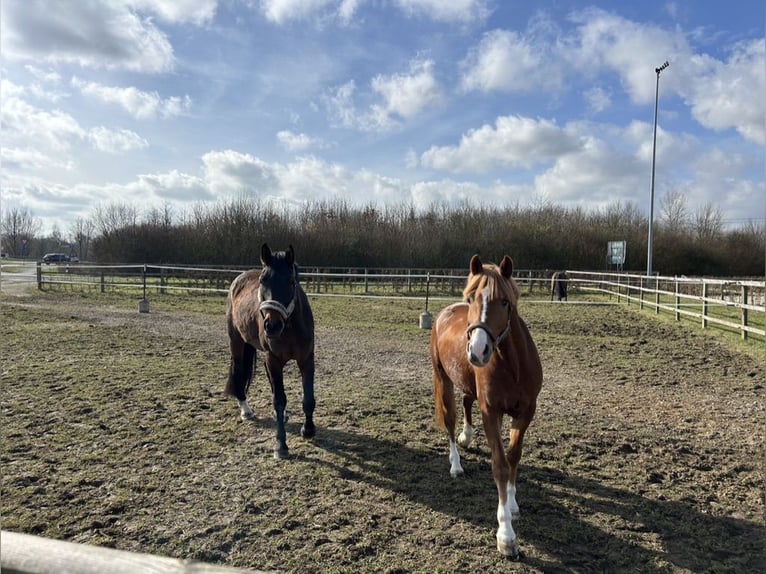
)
(721, 94)
(597, 99)
(507, 61)
(95, 34)
(404, 96)
(298, 142)
(51, 130)
(139, 104)
(596, 171)
(512, 142)
(116, 141)
(29, 158)
(282, 11)
(229, 172)
(731, 93)
(178, 11)
(452, 11)
(175, 186)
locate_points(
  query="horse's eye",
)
(505, 302)
(469, 300)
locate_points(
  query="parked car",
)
(49, 258)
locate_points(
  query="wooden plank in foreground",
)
(28, 554)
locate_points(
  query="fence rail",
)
(738, 305)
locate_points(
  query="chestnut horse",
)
(499, 367)
(268, 311)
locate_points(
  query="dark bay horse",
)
(559, 285)
(268, 311)
(483, 347)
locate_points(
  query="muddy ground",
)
(646, 454)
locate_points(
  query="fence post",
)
(657, 295)
(678, 301)
(39, 276)
(366, 285)
(102, 281)
(704, 304)
(744, 312)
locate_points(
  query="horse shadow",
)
(557, 509)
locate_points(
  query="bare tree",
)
(674, 214)
(82, 233)
(708, 222)
(113, 217)
(19, 227)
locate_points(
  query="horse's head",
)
(278, 289)
(492, 296)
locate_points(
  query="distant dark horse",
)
(483, 347)
(268, 311)
(559, 285)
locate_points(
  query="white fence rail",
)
(738, 305)
(732, 304)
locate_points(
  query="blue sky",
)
(182, 103)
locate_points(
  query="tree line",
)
(335, 234)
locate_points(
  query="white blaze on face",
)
(479, 343)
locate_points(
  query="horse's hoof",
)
(247, 416)
(281, 453)
(456, 473)
(509, 549)
(308, 431)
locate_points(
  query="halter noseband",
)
(484, 327)
(274, 305)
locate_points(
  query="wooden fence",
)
(28, 554)
(732, 304)
(737, 305)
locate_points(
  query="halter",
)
(274, 305)
(495, 340)
(483, 326)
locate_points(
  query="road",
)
(17, 277)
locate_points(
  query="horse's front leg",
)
(507, 544)
(518, 428)
(275, 369)
(306, 367)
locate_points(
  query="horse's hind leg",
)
(240, 372)
(446, 415)
(308, 430)
(466, 437)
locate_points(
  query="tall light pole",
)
(651, 193)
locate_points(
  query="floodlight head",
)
(665, 65)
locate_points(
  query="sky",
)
(177, 104)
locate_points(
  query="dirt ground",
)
(646, 454)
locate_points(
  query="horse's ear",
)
(506, 267)
(265, 254)
(290, 255)
(475, 266)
